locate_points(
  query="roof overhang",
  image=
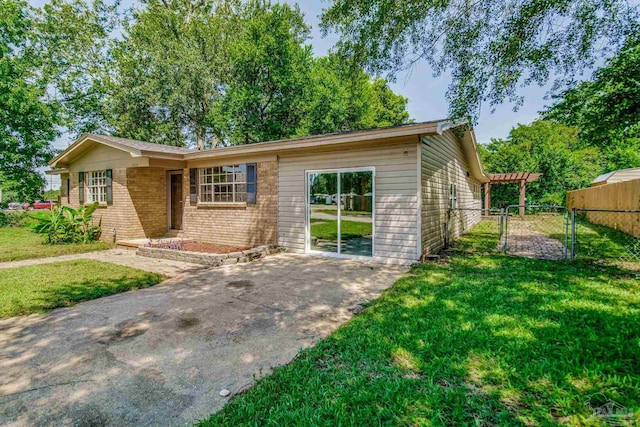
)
(470, 146)
(58, 171)
(464, 132)
(87, 141)
(326, 140)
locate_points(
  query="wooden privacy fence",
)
(621, 196)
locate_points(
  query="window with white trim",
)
(96, 185)
(223, 184)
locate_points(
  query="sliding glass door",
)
(340, 207)
(323, 212)
(356, 213)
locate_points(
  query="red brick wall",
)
(139, 207)
(250, 225)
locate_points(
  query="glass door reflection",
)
(356, 213)
(323, 212)
(340, 208)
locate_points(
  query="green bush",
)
(64, 224)
(13, 219)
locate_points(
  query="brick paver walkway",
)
(525, 241)
(117, 256)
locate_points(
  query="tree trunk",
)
(200, 138)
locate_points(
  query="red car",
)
(48, 204)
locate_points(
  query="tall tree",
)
(193, 72)
(343, 97)
(173, 68)
(543, 146)
(28, 117)
(73, 40)
(606, 109)
(235, 73)
(265, 99)
(490, 47)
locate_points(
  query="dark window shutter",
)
(252, 178)
(109, 174)
(81, 188)
(193, 185)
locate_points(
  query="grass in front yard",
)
(21, 243)
(39, 288)
(476, 340)
(344, 212)
(328, 229)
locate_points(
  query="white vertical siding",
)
(396, 196)
(444, 163)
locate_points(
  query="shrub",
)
(64, 224)
(13, 219)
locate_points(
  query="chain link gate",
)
(536, 231)
(606, 236)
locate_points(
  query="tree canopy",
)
(489, 47)
(270, 65)
(230, 73)
(606, 109)
(590, 129)
(180, 72)
(546, 147)
(343, 98)
(28, 117)
(170, 70)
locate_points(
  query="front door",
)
(176, 201)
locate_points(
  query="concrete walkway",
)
(160, 356)
(117, 256)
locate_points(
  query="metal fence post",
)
(566, 232)
(501, 225)
(573, 233)
(505, 247)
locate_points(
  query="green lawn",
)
(21, 243)
(343, 212)
(39, 288)
(474, 340)
(483, 239)
(595, 241)
(328, 229)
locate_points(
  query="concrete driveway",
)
(160, 356)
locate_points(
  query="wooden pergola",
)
(505, 178)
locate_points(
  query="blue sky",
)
(426, 94)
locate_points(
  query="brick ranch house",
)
(380, 194)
